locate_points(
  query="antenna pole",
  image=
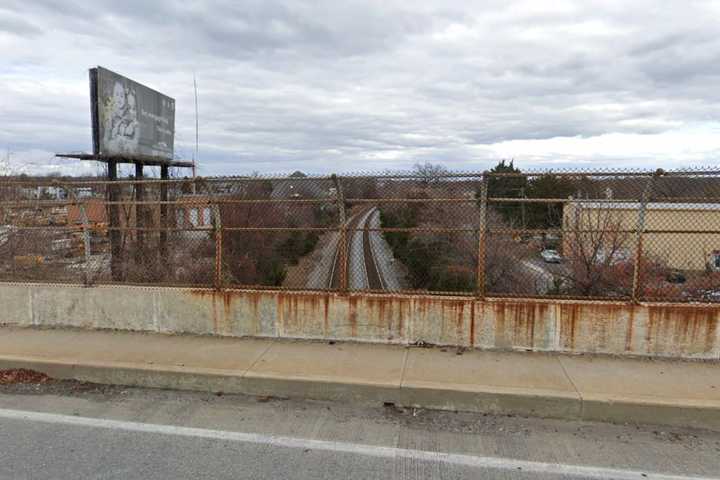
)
(197, 142)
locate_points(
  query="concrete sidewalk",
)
(574, 387)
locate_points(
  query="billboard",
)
(130, 120)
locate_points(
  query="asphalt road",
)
(67, 430)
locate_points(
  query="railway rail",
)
(362, 271)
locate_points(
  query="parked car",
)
(675, 276)
(551, 256)
(710, 295)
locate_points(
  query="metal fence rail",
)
(635, 235)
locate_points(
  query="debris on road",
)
(22, 375)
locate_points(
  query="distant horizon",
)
(127, 170)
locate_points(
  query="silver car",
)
(551, 256)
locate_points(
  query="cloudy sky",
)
(348, 86)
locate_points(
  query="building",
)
(194, 211)
(188, 211)
(692, 241)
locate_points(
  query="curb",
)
(490, 400)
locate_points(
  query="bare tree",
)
(505, 270)
(596, 246)
(429, 172)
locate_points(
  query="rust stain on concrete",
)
(682, 329)
(422, 306)
(352, 315)
(211, 296)
(302, 312)
(380, 315)
(515, 323)
(326, 310)
(499, 314)
(472, 324)
(569, 315)
(459, 321)
(596, 327)
(629, 329)
(403, 315)
(583, 326)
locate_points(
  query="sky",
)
(369, 86)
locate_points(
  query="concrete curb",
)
(648, 412)
(488, 400)
(494, 401)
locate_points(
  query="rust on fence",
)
(617, 236)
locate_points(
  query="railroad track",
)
(367, 268)
(373, 273)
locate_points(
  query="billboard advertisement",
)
(130, 120)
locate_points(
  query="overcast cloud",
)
(364, 86)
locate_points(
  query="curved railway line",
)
(365, 270)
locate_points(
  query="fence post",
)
(343, 237)
(218, 246)
(639, 233)
(482, 236)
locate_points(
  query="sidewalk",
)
(593, 388)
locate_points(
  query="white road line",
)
(493, 463)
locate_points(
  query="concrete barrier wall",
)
(663, 330)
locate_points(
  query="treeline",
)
(430, 259)
(263, 257)
(438, 260)
(530, 215)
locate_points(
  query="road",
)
(539, 275)
(68, 430)
(543, 275)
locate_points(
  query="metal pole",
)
(197, 130)
(114, 222)
(218, 246)
(139, 216)
(639, 233)
(164, 175)
(343, 240)
(482, 237)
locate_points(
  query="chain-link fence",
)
(643, 236)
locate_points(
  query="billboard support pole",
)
(164, 175)
(132, 123)
(114, 221)
(139, 215)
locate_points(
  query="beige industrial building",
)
(692, 241)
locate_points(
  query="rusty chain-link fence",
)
(642, 236)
